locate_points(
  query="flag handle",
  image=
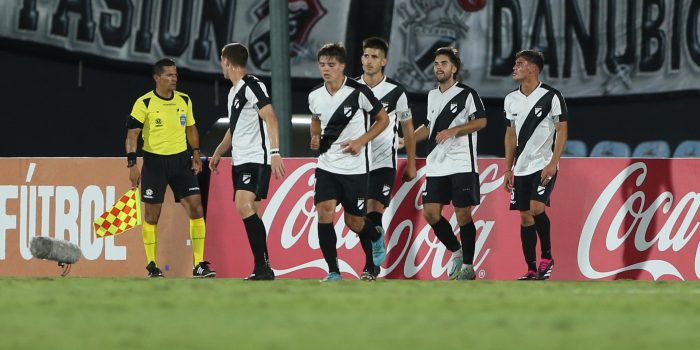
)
(138, 206)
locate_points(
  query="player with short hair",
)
(455, 114)
(383, 148)
(253, 139)
(340, 131)
(535, 138)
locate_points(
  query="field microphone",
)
(61, 251)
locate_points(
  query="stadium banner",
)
(60, 198)
(611, 219)
(191, 32)
(591, 47)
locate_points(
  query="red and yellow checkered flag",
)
(124, 215)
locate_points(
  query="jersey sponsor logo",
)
(538, 111)
(360, 203)
(453, 107)
(246, 178)
(385, 190)
(183, 119)
(347, 111)
(159, 122)
(193, 189)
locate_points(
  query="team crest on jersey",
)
(347, 111)
(424, 26)
(246, 178)
(360, 203)
(385, 190)
(303, 16)
(538, 111)
(453, 107)
(386, 106)
(236, 103)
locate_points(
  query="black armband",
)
(130, 159)
(132, 123)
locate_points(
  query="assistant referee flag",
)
(124, 215)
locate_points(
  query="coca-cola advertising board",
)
(610, 219)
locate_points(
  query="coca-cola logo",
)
(653, 246)
(412, 247)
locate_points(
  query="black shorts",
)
(251, 177)
(381, 182)
(348, 190)
(159, 171)
(462, 189)
(529, 187)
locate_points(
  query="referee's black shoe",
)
(202, 270)
(153, 270)
(261, 273)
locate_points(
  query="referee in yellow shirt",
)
(165, 117)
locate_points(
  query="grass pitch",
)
(124, 313)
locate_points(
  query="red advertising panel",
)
(611, 218)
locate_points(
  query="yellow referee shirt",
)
(164, 122)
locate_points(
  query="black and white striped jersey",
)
(250, 142)
(344, 116)
(458, 105)
(393, 97)
(534, 117)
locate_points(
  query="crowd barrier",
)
(611, 219)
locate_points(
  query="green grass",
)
(124, 313)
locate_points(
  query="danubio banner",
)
(191, 31)
(591, 47)
(611, 219)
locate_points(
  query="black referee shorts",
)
(159, 171)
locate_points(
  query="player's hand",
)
(134, 176)
(315, 143)
(214, 163)
(409, 173)
(353, 147)
(547, 174)
(401, 144)
(277, 166)
(445, 135)
(508, 181)
(196, 165)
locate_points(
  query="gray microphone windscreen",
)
(55, 249)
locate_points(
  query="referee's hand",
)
(134, 176)
(196, 165)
